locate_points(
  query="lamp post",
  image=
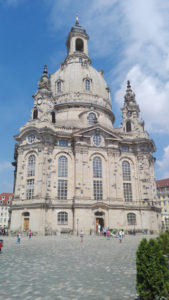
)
(77, 226)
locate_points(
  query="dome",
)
(80, 81)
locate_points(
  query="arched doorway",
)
(26, 221)
(99, 221)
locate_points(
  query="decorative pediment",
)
(108, 134)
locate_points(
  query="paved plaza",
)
(63, 268)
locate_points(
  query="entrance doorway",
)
(26, 224)
(26, 216)
(99, 222)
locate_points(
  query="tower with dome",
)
(73, 169)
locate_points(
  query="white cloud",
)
(133, 36)
(151, 95)
(163, 164)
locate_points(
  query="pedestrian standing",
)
(120, 236)
(108, 234)
(30, 234)
(81, 236)
(104, 231)
(18, 238)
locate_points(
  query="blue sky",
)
(128, 40)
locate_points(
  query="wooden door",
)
(26, 223)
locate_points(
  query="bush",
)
(163, 241)
(152, 270)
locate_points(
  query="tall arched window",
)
(63, 174)
(62, 166)
(131, 219)
(97, 167)
(126, 170)
(97, 173)
(31, 165)
(62, 218)
(87, 84)
(92, 118)
(128, 126)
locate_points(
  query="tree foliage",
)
(152, 270)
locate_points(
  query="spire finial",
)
(77, 20)
(128, 84)
(45, 69)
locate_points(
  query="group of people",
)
(18, 237)
(107, 233)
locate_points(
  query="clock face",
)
(129, 113)
(39, 101)
(97, 140)
(31, 138)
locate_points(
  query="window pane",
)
(63, 143)
(30, 189)
(63, 218)
(126, 170)
(131, 219)
(127, 192)
(97, 189)
(62, 189)
(92, 118)
(31, 165)
(87, 85)
(62, 166)
(97, 167)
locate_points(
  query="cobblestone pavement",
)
(57, 268)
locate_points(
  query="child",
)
(18, 239)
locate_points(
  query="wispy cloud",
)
(5, 166)
(163, 164)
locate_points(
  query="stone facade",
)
(163, 199)
(74, 170)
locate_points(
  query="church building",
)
(73, 169)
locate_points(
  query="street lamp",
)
(77, 226)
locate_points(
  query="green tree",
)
(152, 270)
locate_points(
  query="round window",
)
(97, 140)
(31, 138)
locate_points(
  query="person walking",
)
(1, 245)
(81, 236)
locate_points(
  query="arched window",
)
(131, 219)
(59, 86)
(97, 173)
(62, 218)
(87, 84)
(97, 167)
(92, 118)
(126, 170)
(128, 126)
(53, 117)
(31, 165)
(35, 113)
(79, 45)
(62, 166)
(62, 172)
